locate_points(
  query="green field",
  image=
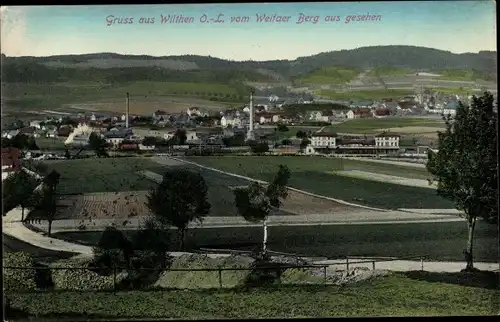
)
(461, 74)
(50, 144)
(373, 125)
(364, 95)
(53, 96)
(441, 241)
(121, 174)
(313, 174)
(389, 71)
(399, 295)
(452, 90)
(103, 175)
(330, 75)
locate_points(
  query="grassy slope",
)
(364, 95)
(310, 174)
(389, 71)
(330, 75)
(391, 296)
(369, 125)
(452, 90)
(460, 74)
(441, 241)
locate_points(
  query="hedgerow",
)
(21, 278)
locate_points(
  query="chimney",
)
(127, 111)
(251, 112)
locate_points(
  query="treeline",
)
(31, 72)
(412, 57)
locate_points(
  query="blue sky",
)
(457, 26)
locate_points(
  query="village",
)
(288, 127)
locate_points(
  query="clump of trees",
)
(465, 166)
(258, 146)
(21, 142)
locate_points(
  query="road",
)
(10, 244)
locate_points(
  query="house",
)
(323, 139)
(134, 138)
(450, 108)
(10, 134)
(229, 120)
(36, 125)
(82, 139)
(387, 140)
(359, 113)
(381, 112)
(128, 146)
(64, 131)
(159, 114)
(29, 131)
(265, 118)
(191, 136)
(115, 137)
(193, 111)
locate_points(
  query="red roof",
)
(382, 111)
(360, 111)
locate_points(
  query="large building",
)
(332, 143)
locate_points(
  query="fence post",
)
(373, 265)
(347, 263)
(220, 278)
(421, 263)
(324, 274)
(114, 278)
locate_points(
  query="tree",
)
(301, 134)
(26, 184)
(149, 141)
(43, 202)
(180, 136)
(98, 144)
(179, 199)
(465, 165)
(304, 143)
(255, 202)
(282, 128)
(258, 147)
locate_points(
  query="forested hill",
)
(116, 67)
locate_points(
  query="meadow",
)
(329, 75)
(147, 96)
(364, 95)
(396, 295)
(374, 125)
(389, 71)
(313, 174)
(103, 175)
(440, 241)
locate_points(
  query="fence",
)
(120, 278)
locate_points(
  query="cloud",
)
(13, 30)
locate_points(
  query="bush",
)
(19, 279)
(78, 278)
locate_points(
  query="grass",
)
(330, 75)
(461, 74)
(389, 71)
(313, 174)
(441, 241)
(453, 90)
(103, 175)
(50, 144)
(364, 95)
(373, 125)
(395, 295)
(55, 96)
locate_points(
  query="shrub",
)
(19, 279)
(78, 278)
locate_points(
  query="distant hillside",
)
(111, 67)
